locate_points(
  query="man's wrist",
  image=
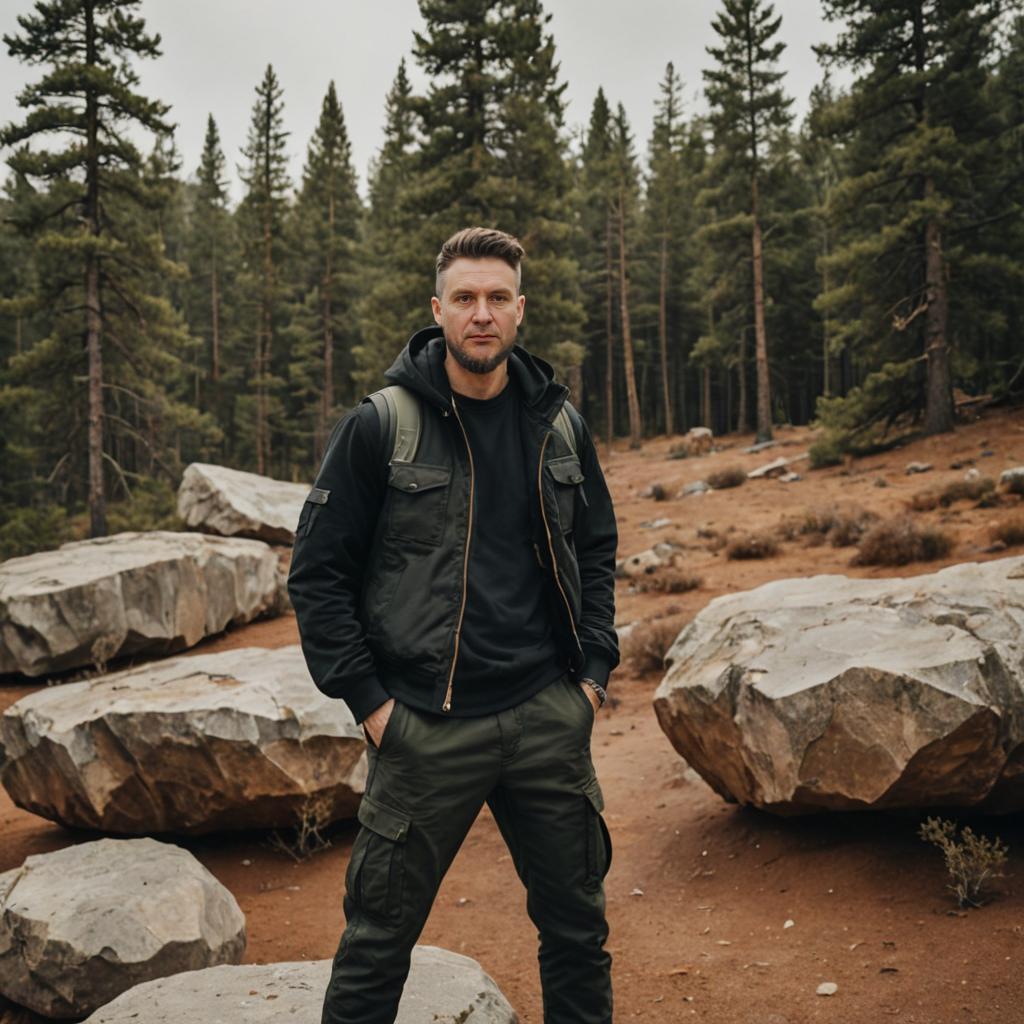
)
(602, 694)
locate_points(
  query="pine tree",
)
(748, 108)
(392, 270)
(89, 94)
(665, 216)
(261, 224)
(624, 211)
(325, 222)
(918, 131)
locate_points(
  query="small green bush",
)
(27, 530)
(972, 861)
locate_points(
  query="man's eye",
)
(499, 299)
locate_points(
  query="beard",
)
(474, 365)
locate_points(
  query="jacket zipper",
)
(447, 705)
(551, 546)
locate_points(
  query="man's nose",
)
(482, 311)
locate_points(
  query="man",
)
(462, 605)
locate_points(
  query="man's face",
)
(479, 312)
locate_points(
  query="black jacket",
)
(377, 576)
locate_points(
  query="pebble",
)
(828, 988)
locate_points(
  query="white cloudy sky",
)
(215, 52)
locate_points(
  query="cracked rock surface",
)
(239, 739)
(153, 592)
(82, 925)
(443, 988)
(233, 503)
(831, 693)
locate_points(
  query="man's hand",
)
(594, 699)
(377, 721)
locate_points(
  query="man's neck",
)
(476, 385)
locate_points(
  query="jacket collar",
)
(420, 367)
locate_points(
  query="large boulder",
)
(443, 988)
(240, 739)
(82, 925)
(93, 600)
(233, 503)
(830, 693)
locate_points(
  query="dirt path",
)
(700, 891)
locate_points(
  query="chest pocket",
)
(568, 476)
(418, 503)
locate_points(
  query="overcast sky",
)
(215, 53)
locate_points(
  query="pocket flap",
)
(566, 470)
(382, 820)
(593, 793)
(413, 478)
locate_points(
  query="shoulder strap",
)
(399, 412)
(564, 425)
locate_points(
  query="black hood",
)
(420, 367)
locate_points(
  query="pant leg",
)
(548, 807)
(425, 787)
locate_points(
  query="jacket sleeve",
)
(329, 557)
(596, 543)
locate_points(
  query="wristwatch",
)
(602, 694)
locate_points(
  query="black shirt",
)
(507, 649)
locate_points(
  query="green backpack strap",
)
(563, 424)
(399, 412)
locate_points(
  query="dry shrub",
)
(671, 581)
(731, 476)
(958, 490)
(900, 541)
(752, 545)
(970, 860)
(645, 646)
(1009, 531)
(840, 525)
(312, 816)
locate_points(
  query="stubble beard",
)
(481, 366)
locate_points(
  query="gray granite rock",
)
(90, 601)
(240, 739)
(830, 693)
(82, 925)
(443, 988)
(234, 503)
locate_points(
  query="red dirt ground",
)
(699, 891)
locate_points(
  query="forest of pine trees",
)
(728, 266)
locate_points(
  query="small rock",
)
(697, 487)
(789, 924)
(987, 453)
(246, 863)
(655, 524)
(790, 478)
(972, 474)
(655, 491)
(637, 892)
(827, 988)
(918, 467)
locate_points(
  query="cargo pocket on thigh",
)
(376, 873)
(599, 841)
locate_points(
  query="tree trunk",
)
(742, 415)
(706, 397)
(610, 363)
(663, 334)
(94, 348)
(939, 412)
(214, 325)
(627, 337)
(764, 398)
(327, 400)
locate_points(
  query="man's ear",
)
(435, 305)
(520, 304)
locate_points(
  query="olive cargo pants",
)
(426, 785)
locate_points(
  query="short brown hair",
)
(479, 244)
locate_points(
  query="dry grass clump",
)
(752, 545)
(841, 525)
(645, 646)
(670, 581)
(958, 490)
(971, 860)
(1009, 531)
(899, 541)
(731, 476)
(311, 818)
